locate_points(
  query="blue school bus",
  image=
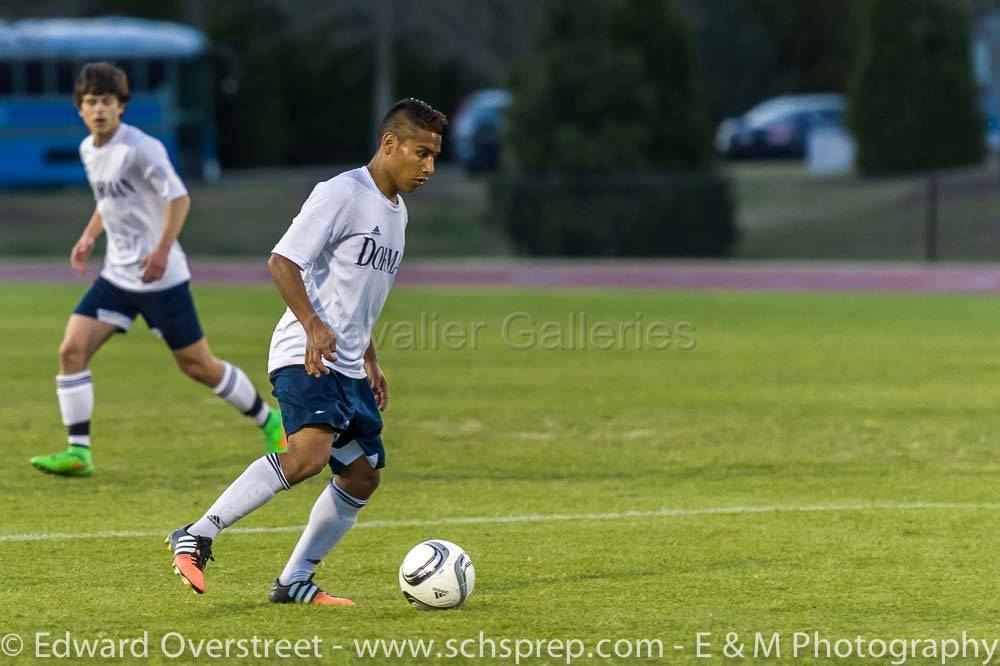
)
(169, 69)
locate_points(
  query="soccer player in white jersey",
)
(141, 207)
(334, 268)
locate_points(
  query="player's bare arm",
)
(320, 341)
(376, 378)
(174, 215)
(81, 251)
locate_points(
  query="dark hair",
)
(100, 78)
(410, 114)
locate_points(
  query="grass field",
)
(815, 463)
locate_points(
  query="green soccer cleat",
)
(74, 461)
(274, 433)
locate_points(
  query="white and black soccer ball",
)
(436, 575)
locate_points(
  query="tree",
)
(755, 49)
(670, 98)
(814, 41)
(912, 98)
(739, 58)
(609, 86)
(610, 137)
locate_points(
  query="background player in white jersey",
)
(141, 206)
(334, 268)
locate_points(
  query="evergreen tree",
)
(610, 139)
(609, 86)
(913, 100)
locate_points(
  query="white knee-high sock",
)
(76, 403)
(237, 389)
(261, 481)
(333, 514)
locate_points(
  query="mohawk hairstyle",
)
(100, 78)
(408, 115)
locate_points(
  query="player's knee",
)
(301, 463)
(361, 480)
(370, 480)
(374, 478)
(72, 356)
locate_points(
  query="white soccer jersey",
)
(348, 239)
(132, 180)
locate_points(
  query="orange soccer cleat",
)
(191, 554)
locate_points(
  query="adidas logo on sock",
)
(438, 593)
(375, 232)
(215, 520)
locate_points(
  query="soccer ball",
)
(436, 574)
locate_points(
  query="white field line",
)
(539, 518)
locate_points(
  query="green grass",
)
(785, 401)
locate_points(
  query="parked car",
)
(477, 128)
(779, 127)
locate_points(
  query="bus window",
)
(128, 67)
(191, 91)
(187, 91)
(66, 72)
(157, 74)
(34, 77)
(137, 79)
(6, 78)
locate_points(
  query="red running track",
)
(735, 275)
